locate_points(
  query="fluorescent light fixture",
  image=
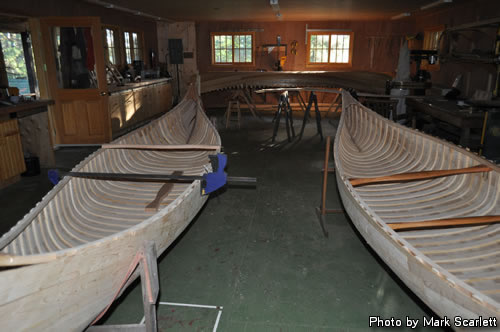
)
(435, 3)
(274, 4)
(397, 17)
(108, 5)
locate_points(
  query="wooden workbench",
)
(450, 113)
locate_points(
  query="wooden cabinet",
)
(11, 152)
(130, 108)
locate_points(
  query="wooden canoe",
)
(365, 81)
(75, 246)
(454, 268)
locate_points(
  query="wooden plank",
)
(414, 176)
(439, 223)
(162, 147)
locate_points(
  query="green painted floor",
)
(260, 253)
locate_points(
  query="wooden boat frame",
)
(67, 289)
(442, 291)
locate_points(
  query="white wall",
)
(187, 32)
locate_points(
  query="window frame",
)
(329, 33)
(140, 39)
(232, 63)
(118, 44)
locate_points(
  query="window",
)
(133, 46)
(327, 48)
(232, 48)
(111, 53)
(20, 73)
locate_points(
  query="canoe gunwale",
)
(412, 254)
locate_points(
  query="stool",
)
(233, 106)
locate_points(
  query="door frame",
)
(45, 64)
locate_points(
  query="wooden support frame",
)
(145, 260)
(321, 211)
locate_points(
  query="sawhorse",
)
(313, 99)
(284, 106)
(321, 211)
(145, 260)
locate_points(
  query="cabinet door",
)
(11, 151)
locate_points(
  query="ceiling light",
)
(274, 4)
(397, 17)
(435, 3)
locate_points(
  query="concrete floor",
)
(259, 252)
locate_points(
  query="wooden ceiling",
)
(261, 10)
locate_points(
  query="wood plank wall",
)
(376, 43)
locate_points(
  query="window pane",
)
(345, 56)
(237, 56)
(339, 55)
(324, 55)
(75, 67)
(128, 55)
(248, 56)
(127, 40)
(217, 56)
(229, 55)
(135, 39)
(248, 41)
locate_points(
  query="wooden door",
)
(76, 76)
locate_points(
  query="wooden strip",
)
(13, 260)
(438, 223)
(162, 193)
(413, 176)
(162, 147)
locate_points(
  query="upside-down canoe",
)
(62, 264)
(415, 199)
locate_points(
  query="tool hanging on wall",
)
(294, 47)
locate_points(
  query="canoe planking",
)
(454, 270)
(80, 239)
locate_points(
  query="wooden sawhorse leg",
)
(313, 99)
(321, 211)
(145, 260)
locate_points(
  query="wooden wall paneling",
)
(11, 152)
(116, 110)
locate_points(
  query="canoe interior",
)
(79, 211)
(368, 145)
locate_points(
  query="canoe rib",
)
(454, 270)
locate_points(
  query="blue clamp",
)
(53, 175)
(218, 178)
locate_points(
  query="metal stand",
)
(145, 260)
(284, 106)
(321, 211)
(312, 99)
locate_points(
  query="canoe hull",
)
(67, 293)
(441, 296)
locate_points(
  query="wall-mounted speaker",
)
(175, 51)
